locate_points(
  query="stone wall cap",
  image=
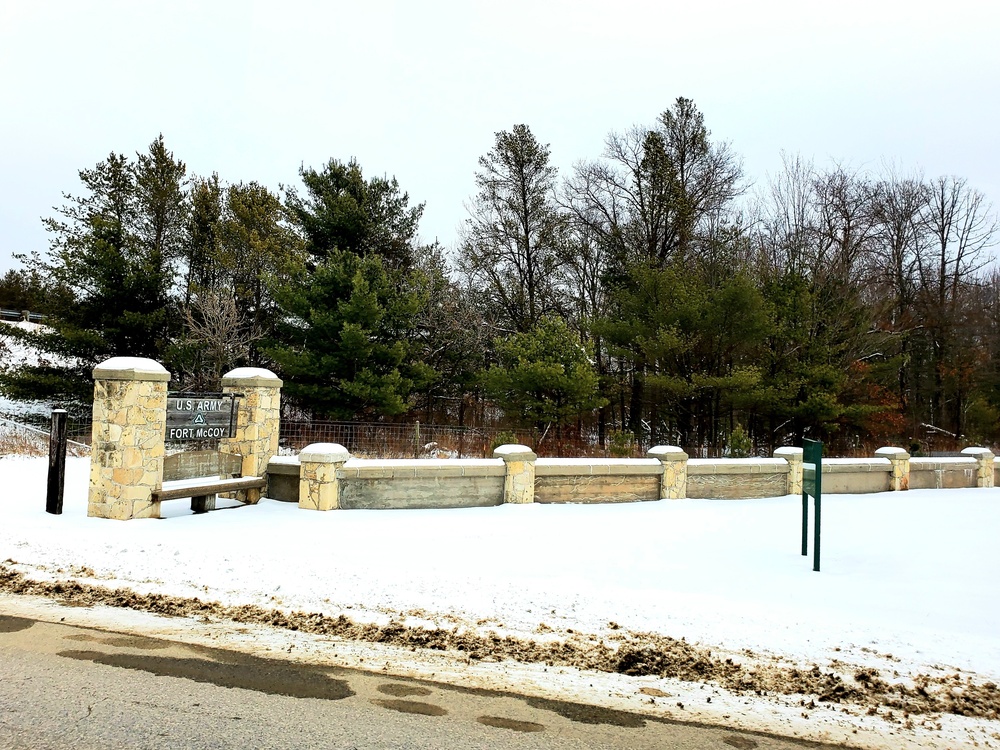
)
(667, 453)
(974, 451)
(597, 467)
(854, 465)
(512, 452)
(703, 466)
(251, 376)
(596, 461)
(899, 454)
(131, 368)
(420, 468)
(324, 453)
(424, 464)
(284, 468)
(788, 452)
(941, 463)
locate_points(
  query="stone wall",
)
(416, 483)
(434, 483)
(586, 480)
(735, 478)
(130, 400)
(942, 473)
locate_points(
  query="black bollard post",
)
(57, 463)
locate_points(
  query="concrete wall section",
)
(942, 473)
(856, 475)
(416, 483)
(736, 486)
(735, 478)
(586, 480)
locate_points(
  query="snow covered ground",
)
(14, 353)
(910, 581)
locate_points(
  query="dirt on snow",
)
(619, 651)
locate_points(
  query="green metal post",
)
(805, 523)
(812, 484)
(818, 499)
(816, 535)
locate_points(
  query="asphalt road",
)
(87, 689)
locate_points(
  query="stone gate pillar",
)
(130, 418)
(258, 419)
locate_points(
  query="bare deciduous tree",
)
(214, 322)
(961, 226)
(655, 189)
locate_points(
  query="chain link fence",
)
(379, 440)
(25, 431)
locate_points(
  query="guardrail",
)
(18, 316)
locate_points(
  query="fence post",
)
(57, 463)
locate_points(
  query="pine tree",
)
(343, 211)
(113, 248)
(513, 237)
(345, 347)
(545, 377)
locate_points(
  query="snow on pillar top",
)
(978, 452)
(510, 452)
(667, 453)
(324, 453)
(789, 453)
(250, 377)
(893, 454)
(131, 368)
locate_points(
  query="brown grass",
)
(15, 443)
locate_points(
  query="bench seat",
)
(200, 475)
(201, 486)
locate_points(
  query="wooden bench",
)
(201, 475)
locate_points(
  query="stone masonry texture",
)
(127, 455)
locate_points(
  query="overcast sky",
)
(251, 90)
